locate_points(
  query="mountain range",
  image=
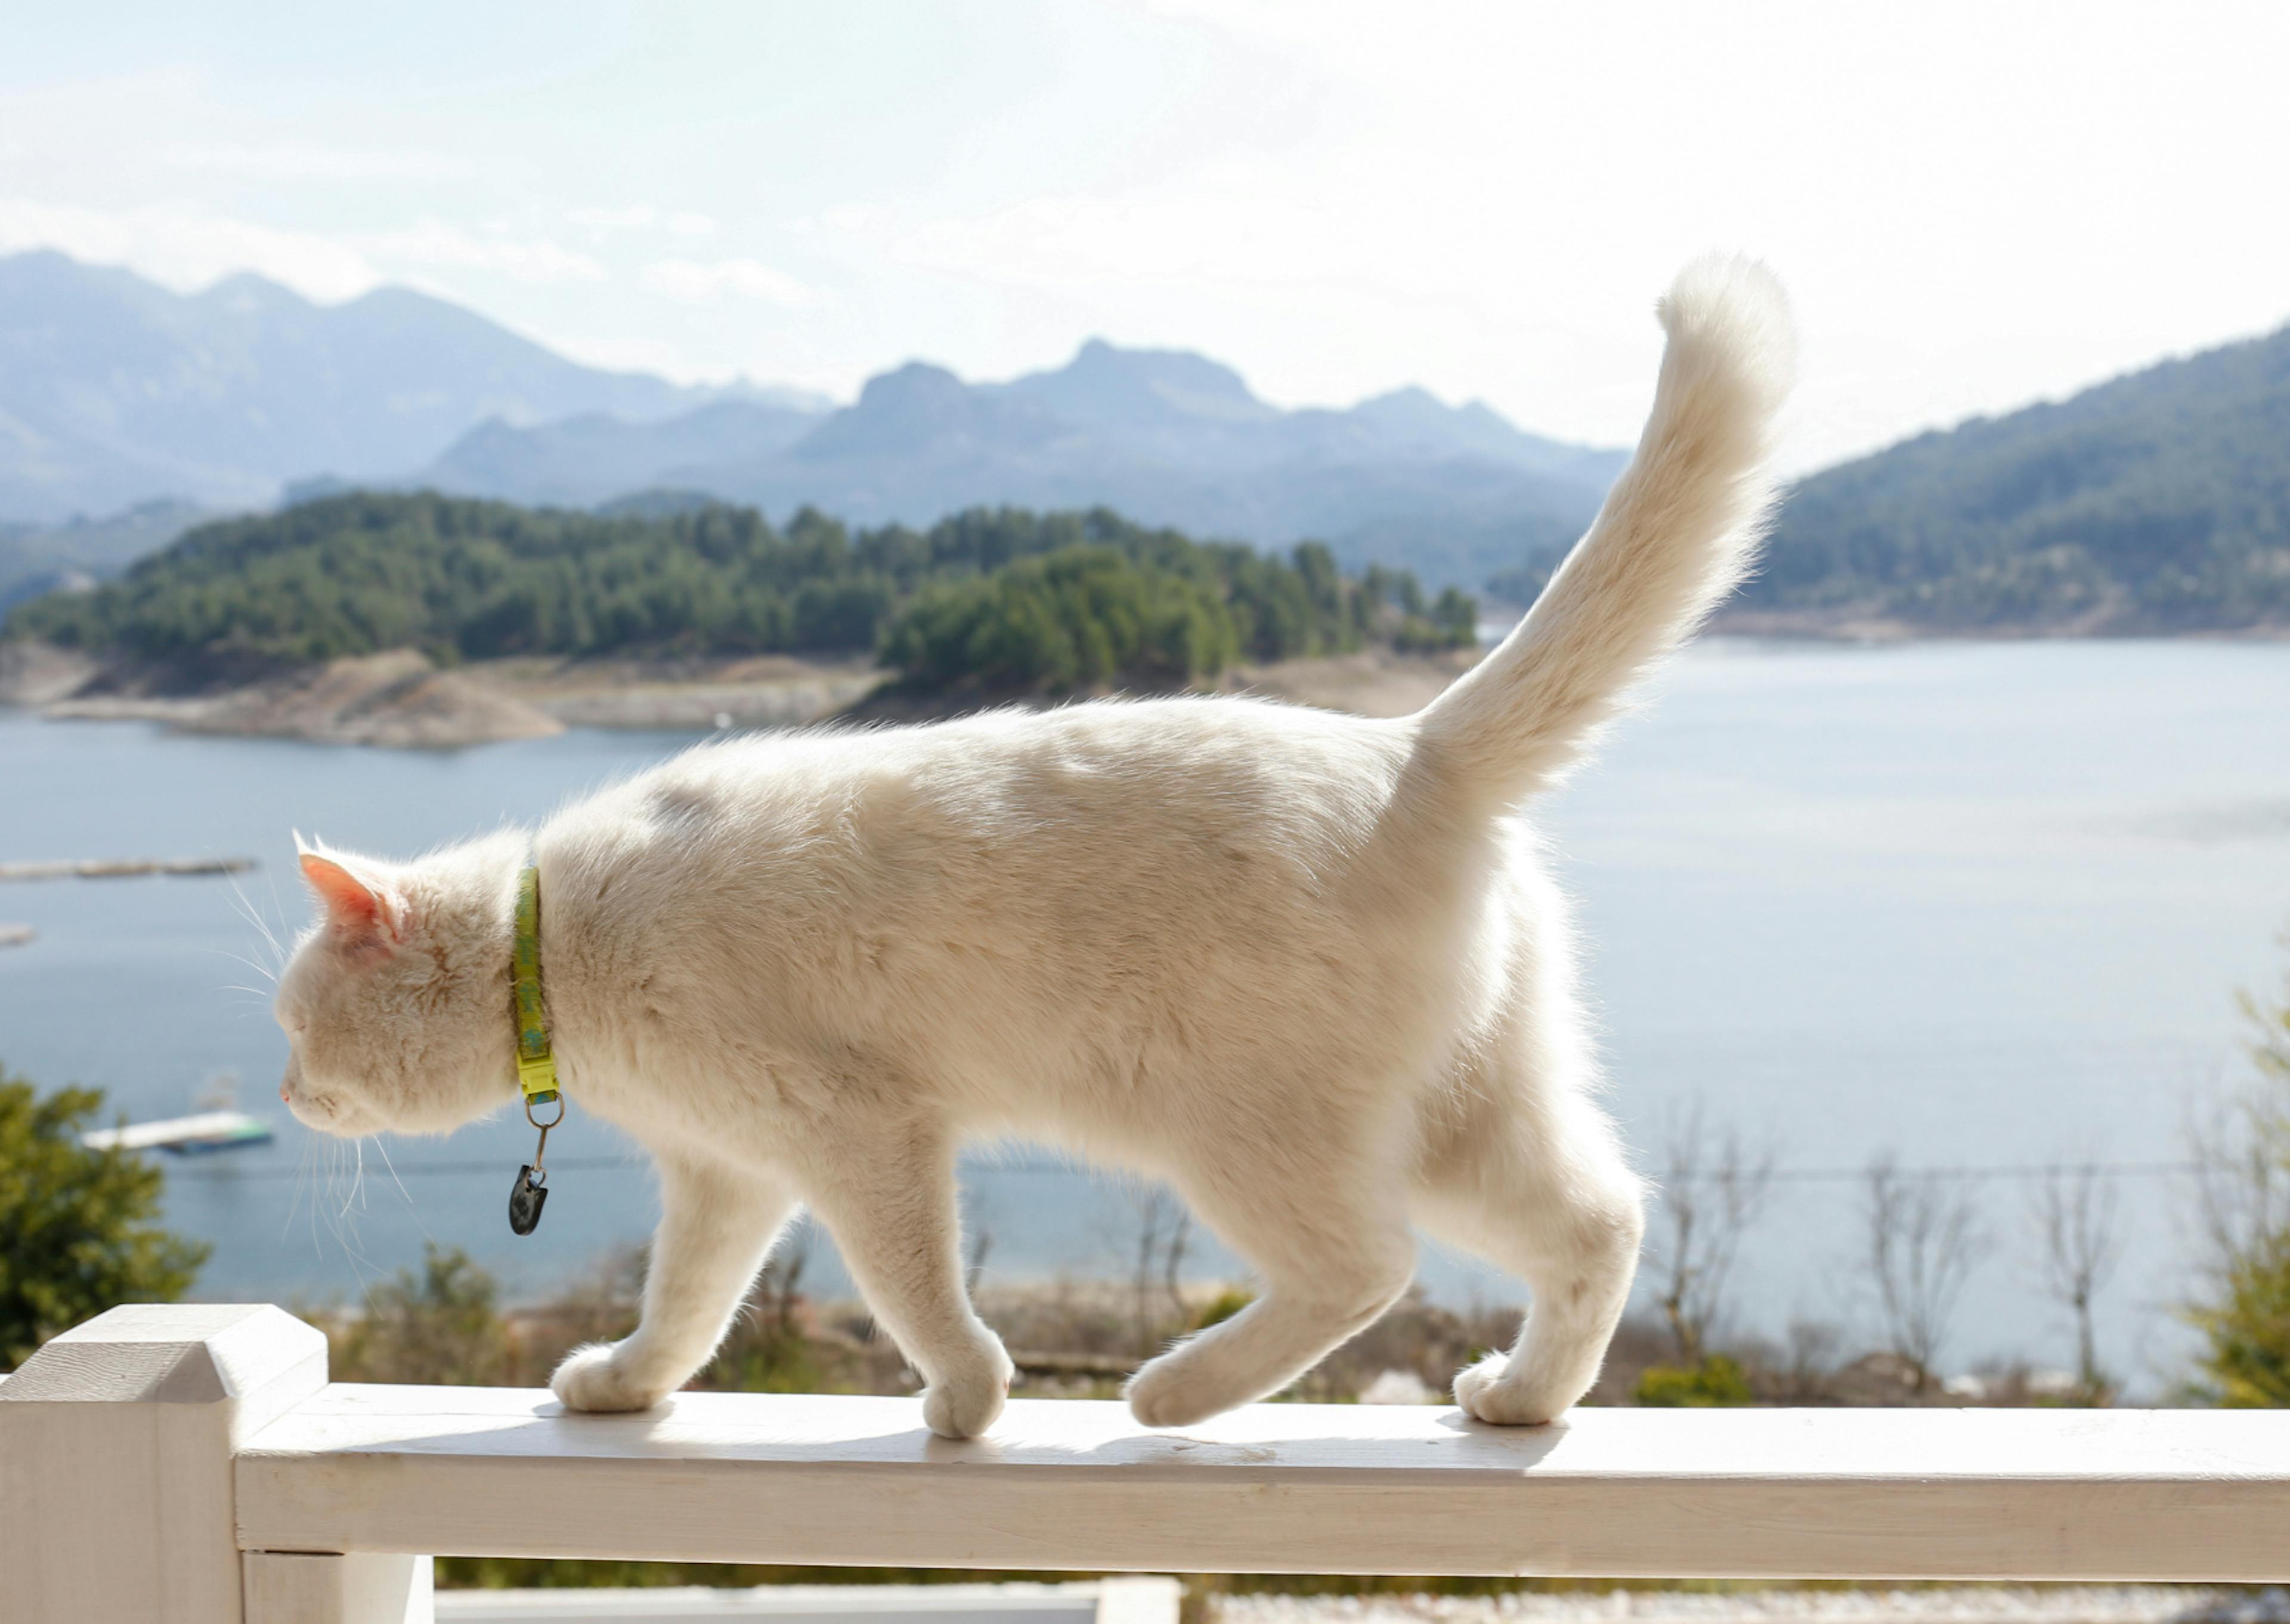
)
(113, 391)
(1163, 436)
(2156, 502)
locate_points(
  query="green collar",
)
(536, 1060)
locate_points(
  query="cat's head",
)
(395, 1001)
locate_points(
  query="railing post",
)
(115, 1470)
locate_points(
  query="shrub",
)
(443, 1325)
(1715, 1382)
(76, 1235)
(2245, 1195)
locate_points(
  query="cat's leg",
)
(1535, 1181)
(716, 1224)
(889, 1202)
(1327, 1234)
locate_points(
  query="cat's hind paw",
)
(591, 1380)
(1486, 1393)
(1181, 1388)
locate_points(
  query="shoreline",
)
(400, 699)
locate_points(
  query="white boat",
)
(183, 1135)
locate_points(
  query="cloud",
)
(642, 217)
(305, 163)
(433, 241)
(690, 280)
(1231, 224)
(614, 219)
(187, 247)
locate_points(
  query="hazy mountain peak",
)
(917, 380)
(245, 294)
(1105, 384)
(921, 407)
(1409, 398)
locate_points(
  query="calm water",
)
(1979, 905)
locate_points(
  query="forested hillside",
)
(2158, 503)
(1000, 598)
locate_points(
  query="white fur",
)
(1306, 967)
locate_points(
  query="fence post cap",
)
(168, 1353)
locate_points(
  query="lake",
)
(1985, 906)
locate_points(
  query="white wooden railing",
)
(193, 1465)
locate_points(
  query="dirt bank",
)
(396, 698)
(400, 698)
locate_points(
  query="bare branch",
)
(1714, 1190)
(1163, 1229)
(1924, 1236)
(2076, 1213)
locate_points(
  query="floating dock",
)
(123, 868)
(184, 1135)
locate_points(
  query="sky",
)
(1973, 206)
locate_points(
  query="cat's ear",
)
(361, 909)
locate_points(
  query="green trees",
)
(998, 597)
(1079, 618)
(2245, 1359)
(75, 1230)
(2245, 1192)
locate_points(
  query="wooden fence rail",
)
(193, 1464)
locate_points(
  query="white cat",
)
(1305, 967)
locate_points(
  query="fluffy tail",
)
(1678, 532)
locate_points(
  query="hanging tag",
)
(526, 1197)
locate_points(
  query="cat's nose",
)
(285, 1098)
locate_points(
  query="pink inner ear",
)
(352, 906)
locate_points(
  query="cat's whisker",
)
(253, 917)
(341, 1222)
(355, 1160)
(383, 1148)
(277, 944)
(260, 970)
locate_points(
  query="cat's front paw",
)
(964, 1404)
(1485, 1395)
(592, 1379)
